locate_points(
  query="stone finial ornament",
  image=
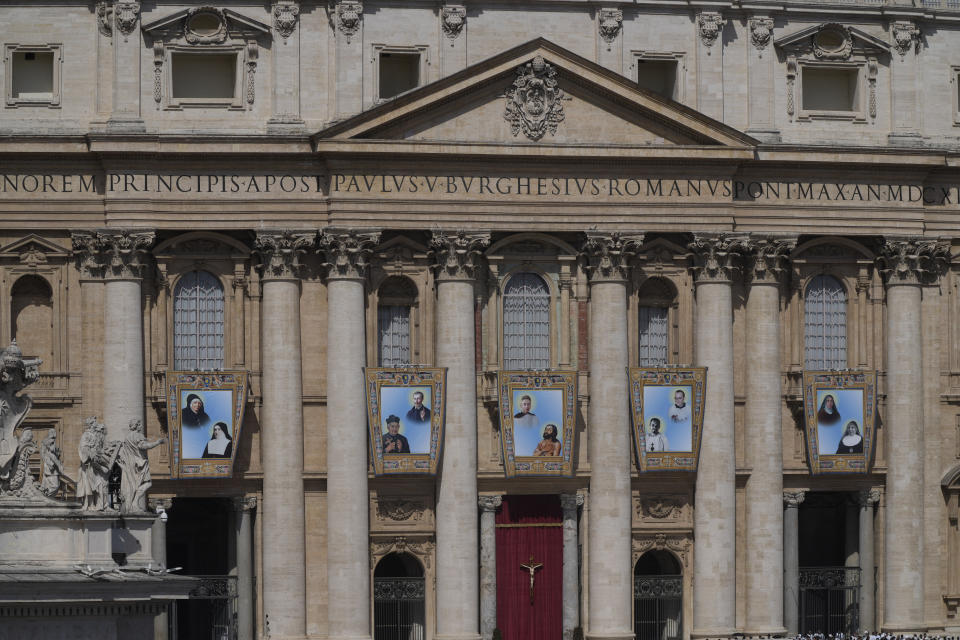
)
(534, 104)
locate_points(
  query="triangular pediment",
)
(34, 244)
(538, 94)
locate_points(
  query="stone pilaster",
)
(281, 428)
(717, 261)
(457, 260)
(709, 26)
(346, 17)
(904, 88)
(905, 263)
(868, 606)
(761, 65)
(766, 267)
(286, 67)
(570, 504)
(607, 258)
(488, 565)
(243, 521)
(347, 255)
(122, 259)
(127, 47)
(453, 46)
(791, 560)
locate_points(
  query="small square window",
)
(830, 89)
(33, 76)
(399, 72)
(203, 76)
(658, 76)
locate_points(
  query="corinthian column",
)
(905, 264)
(764, 571)
(281, 426)
(716, 263)
(348, 564)
(457, 261)
(122, 258)
(610, 581)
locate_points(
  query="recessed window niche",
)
(204, 76)
(34, 75)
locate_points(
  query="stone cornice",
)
(912, 261)
(281, 253)
(113, 255)
(717, 257)
(607, 256)
(347, 252)
(457, 256)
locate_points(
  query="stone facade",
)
(526, 147)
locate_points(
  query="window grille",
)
(393, 322)
(653, 336)
(198, 322)
(825, 324)
(526, 323)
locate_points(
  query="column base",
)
(457, 636)
(610, 635)
(718, 632)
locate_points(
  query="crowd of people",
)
(860, 636)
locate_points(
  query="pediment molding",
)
(233, 25)
(33, 244)
(832, 41)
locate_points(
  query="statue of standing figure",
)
(97, 458)
(51, 457)
(135, 468)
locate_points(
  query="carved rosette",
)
(285, 17)
(453, 17)
(607, 256)
(868, 497)
(761, 32)
(709, 26)
(611, 22)
(349, 16)
(793, 499)
(717, 257)
(126, 14)
(113, 254)
(281, 253)
(569, 503)
(347, 253)
(768, 258)
(909, 261)
(457, 256)
(492, 503)
(906, 36)
(534, 104)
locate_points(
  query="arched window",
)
(656, 297)
(399, 598)
(198, 322)
(397, 297)
(31, 317)
(825, 324)
(526, 323)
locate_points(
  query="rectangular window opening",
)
(399, 72)
(831, 89)
(204, 76)
(32, 77)
(658, 76)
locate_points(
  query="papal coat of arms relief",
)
(535, 102)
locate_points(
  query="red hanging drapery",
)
(517, 618)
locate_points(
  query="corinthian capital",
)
(456, 256)
(489, 503)
(912, 260)
(111, 254)
(793, 498)
(767, 259)
(717, 257)
(280, 253)
(347, 252)
(607, 256)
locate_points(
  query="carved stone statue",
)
(15, 374)
(96, 459)
(52, 459)
(135, 468)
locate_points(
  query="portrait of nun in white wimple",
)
(221, 444)
(839, 420)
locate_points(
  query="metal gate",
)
(399, 609)
(829, 600)
(658, 607)
(209, 614)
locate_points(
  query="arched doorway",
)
(658, 597)
(399, 602)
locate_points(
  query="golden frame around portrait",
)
(839, 409)
(406, 415)
(205, 416)
(667, 406)
(531, 403)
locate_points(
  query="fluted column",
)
(243, 509)
(764, 490)
(281, 427)
(610, 581)
(868, 605)
(571, 503)
(348, 564)
(791, 561)
(488, 564)
(457, 260)
(905, 263)
(122, 258)
(716, 262)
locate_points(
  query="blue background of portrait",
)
(398, 400)
(218, 404)
(547, 404)
(657, 401)
(849, 403)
